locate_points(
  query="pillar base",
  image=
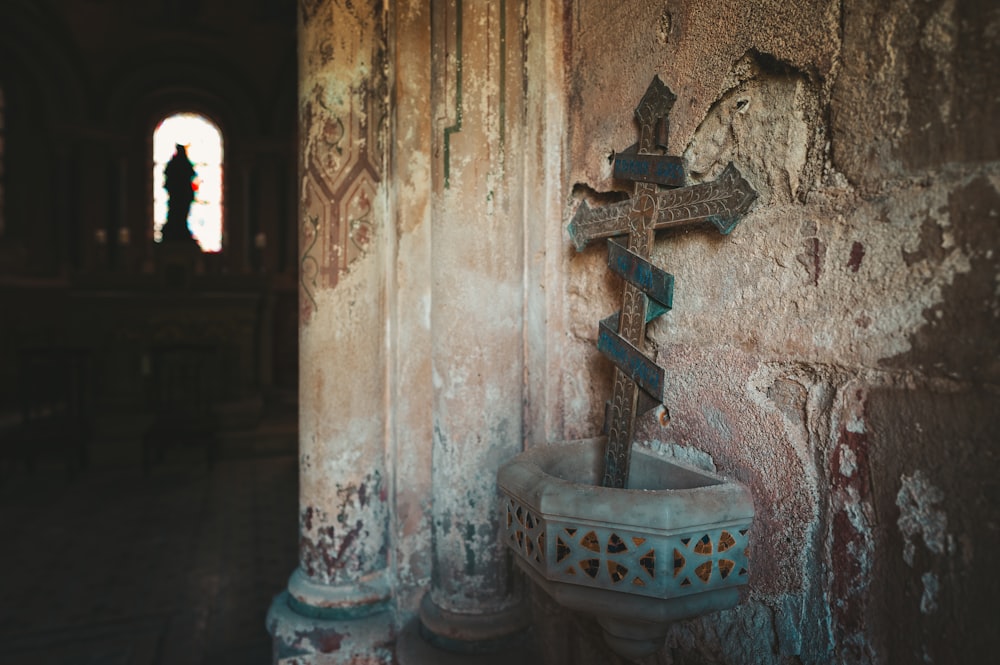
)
(472, 633)
(368, 594)
(413, 648)
(317, 624)
(298, 639)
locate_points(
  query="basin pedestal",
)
(671, 545)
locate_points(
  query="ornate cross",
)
(639, 382)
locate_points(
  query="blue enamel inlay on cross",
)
(657, 284)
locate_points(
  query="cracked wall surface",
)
(838, 352)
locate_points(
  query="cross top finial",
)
(652, 112)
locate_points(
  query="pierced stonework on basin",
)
(607, 558)
(675, 531)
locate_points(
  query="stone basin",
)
(672, 545)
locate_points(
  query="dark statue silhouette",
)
(177, 180)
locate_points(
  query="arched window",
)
(203, 141)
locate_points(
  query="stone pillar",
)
(477, 320)
(335, 607)
(412, 386)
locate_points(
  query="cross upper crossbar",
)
(721, 202)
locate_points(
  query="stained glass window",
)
(203, 141)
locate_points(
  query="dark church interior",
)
(120, 545)
(390, 188)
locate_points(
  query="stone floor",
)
(111, 568)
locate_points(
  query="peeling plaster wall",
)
(838, 352)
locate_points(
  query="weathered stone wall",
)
(838, 352)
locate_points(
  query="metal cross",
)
(639, 382)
